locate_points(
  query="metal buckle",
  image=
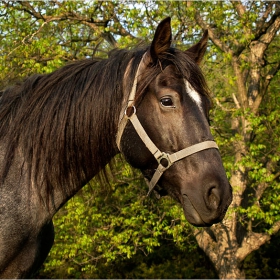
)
(129, 107)
(165, 165)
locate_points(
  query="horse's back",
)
(23, 225)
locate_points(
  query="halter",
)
(164, 160)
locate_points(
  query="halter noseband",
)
(164, 160)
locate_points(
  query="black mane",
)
(64, 123)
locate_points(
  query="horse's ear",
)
(162, 39)
(197, 51)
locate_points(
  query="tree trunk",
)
(222, 241)
(228, 243)
(221, 250)
(229, 268)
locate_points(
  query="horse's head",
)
(165, 130)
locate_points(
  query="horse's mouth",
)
(195, 218)
(192, 214)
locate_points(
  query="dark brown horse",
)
(58, 131)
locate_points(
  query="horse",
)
(59, 130)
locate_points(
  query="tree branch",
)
(269, 76)
(242, 91)
(30, 10)
(214, 38)
(239, 7)
(271, 30)
(253, 241)
(206, 243)
(257, 52)
(264, 185)
(263, 24)
(95, 25)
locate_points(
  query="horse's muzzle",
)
(213, 211)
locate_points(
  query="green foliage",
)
(264, 263)
(116, 231)
(105, 225)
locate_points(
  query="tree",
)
(250, 136)
(242, 68)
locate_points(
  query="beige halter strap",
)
(164, 160)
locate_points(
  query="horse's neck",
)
(17, 181)
(59, 198)
(103, 141)
(104, 149)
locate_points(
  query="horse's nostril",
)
(213, 197)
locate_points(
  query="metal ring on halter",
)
(134, 111)
(164, 156)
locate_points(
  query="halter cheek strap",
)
(164, 160)
(130, 103)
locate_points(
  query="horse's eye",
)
(167, 102)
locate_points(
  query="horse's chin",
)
(192, 215)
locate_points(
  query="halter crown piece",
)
(164, 160)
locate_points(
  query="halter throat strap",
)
(130, 103)
(165, 160)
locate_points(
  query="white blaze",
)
(193, 94)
